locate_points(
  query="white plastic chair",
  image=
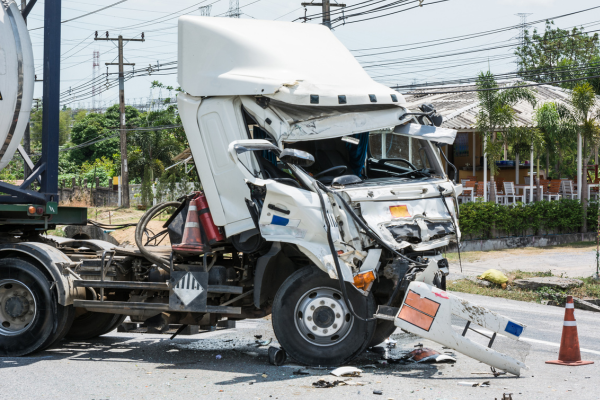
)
(500, 197)
(510, 193)
(567, 190)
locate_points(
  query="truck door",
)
(220, 123)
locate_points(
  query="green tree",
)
(558, 54)
(496, 116)
(94, 126)
(65, 124)
(154, 150)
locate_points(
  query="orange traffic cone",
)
(191, 242)
(569, 353)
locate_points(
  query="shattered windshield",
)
(392, 155)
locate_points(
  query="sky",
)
(420, 54)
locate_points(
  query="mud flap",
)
(426, 311)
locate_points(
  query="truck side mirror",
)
(297, 157)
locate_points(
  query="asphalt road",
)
(228, 365)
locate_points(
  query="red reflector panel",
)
(399, 212)
(424, 305)
(415, 317)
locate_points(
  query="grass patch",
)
(590, 288)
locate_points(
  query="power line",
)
(504, 88)
(85, 15)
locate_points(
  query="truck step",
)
(131, 285)
(132, 327)
(117, 307)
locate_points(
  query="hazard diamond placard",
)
(188, 288)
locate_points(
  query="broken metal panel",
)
(427, 132)
(293, 215)
(425, 220)
(426, 311)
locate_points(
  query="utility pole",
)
(124, 171)
(326, 7)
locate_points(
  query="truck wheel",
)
(66, 315)
(383, 331)
(313, 324)
(28, 318)
(90, 325)
(118, 321)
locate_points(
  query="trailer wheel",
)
(91, 324)
(313, 324)
(28, 311)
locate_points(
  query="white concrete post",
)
(579, 167)
(531, 176)
(485, 169)
(474, 153)
(119, 202)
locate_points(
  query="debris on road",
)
(258, 337)
(277, 356)
(475, 384)
(301, 372)
(390, 343)
(377, 392)
(325, 384)
(427, 355)
(346, 371)
(218, 357)
(261, 343)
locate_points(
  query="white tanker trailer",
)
(17, 77)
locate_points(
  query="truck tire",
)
(66, 315)
(90, 325)
(313, 324)
(29, 317)
(383, 331)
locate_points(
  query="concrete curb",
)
(522, 241)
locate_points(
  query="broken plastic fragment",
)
(346, 371)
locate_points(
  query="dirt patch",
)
(128, 234)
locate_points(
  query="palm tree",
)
(582, 118)
(496, 114)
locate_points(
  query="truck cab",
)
(319, 173)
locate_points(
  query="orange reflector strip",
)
(415, 317)
(424, 305)
(363, 281)
(399, 212)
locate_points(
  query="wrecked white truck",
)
(324, 203)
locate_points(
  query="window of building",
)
(461, 145)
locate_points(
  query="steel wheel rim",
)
(18, 307)
(322, 318)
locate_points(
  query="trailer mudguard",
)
(426, 311)
(53, 260)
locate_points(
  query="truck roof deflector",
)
(427, 132)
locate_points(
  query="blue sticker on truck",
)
(277, 220)
(514, 329)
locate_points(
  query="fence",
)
(85, 194)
